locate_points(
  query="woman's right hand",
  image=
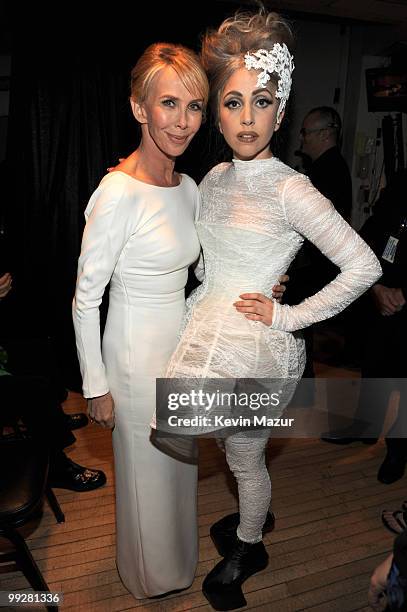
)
(101, 410)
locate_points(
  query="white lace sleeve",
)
(312, 215)
(199, 265)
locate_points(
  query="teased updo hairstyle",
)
(184, 61)
(223, 50)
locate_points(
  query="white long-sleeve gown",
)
(142, 239)
(253, 219)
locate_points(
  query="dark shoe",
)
(396, 521)
(222, 586)
(391, 470)
(77, 420)
(75, 477)
(223, 532)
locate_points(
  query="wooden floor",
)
(327, 540)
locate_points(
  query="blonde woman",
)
(140, 237)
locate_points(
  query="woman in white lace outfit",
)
(255, 213)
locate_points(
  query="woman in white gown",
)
(140, 237)
(255, 213)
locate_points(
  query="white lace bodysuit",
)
(253, 220)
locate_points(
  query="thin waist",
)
(134, 297)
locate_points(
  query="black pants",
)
(35, 356)
(32, 399)
(34, 392)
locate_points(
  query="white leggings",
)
(245, 454)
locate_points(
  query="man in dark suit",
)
(328, 171)
(384, 320)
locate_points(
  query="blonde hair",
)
(157, 56)
(223, 50)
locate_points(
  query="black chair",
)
(23, 485)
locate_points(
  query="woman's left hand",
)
(256, 307)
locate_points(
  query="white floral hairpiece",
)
(278, 60)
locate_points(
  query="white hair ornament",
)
(278, 60)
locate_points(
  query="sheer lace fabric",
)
(253, 219)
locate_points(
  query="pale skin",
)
(169, 117)
(248, 118)
(101, 409)
(164, 114)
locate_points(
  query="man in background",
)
(328, 171)
(382, 323)
(320, 138)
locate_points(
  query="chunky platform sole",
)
(231, 597)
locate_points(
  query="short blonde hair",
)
(157, 56)
(223, 50)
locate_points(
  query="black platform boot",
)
(223, 533)
(222, 586)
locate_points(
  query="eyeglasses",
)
(305, 131)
